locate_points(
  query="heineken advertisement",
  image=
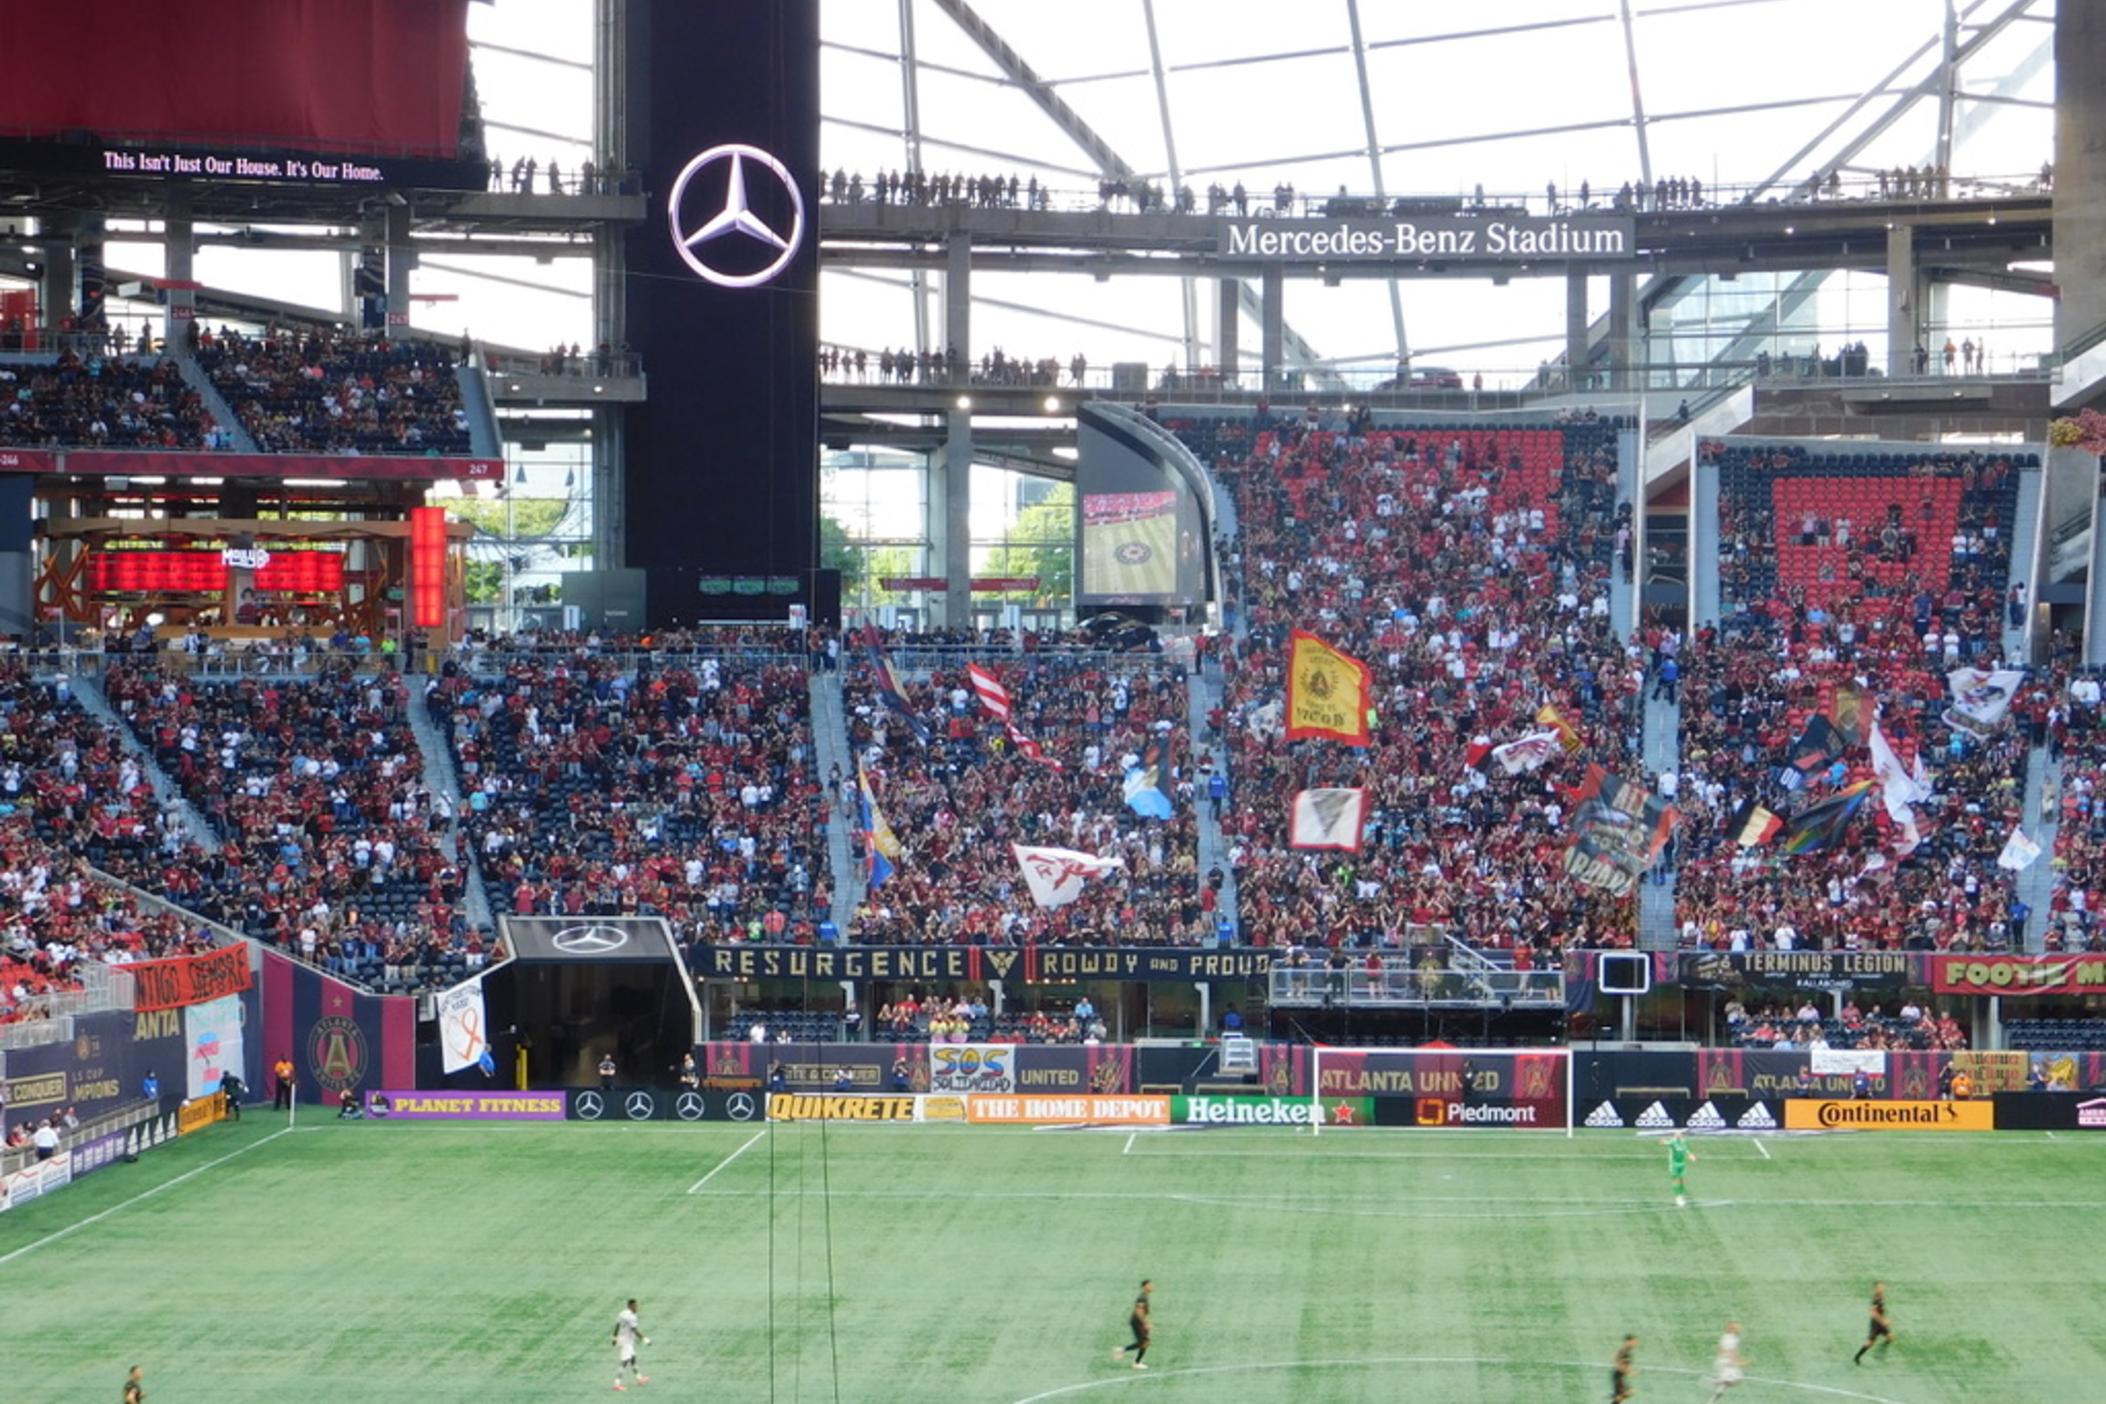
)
(1460, 238)
(1270, 1111)
(1028, 965)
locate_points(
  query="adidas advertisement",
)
(1718, 1112)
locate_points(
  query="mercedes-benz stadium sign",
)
(1461, 238)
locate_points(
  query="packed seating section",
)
(1468, 566)
(677, 785)
(1841, 572)
(92, 400)
(338, 392)
(958, 802)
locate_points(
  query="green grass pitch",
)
(1152, 574)
(344, 1263)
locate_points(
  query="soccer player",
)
(1726, 1370)
(628, 1332)
(134, 1387)
(1881, 1332)
(1678, 1157)
(1625, 1369)
(1143, 1328)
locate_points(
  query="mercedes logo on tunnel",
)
(589, 940)
(716, 229)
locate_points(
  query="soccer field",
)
(389, 1262)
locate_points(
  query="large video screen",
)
(335, 78)
(1143, 541)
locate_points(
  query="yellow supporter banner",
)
(200, 1112)
(1327, 692)
(1815, 1114)
(1068, 1111)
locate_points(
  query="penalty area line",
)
(70, 1229)
(727, 1160)
(1764, 1149)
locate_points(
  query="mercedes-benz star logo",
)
(739, 1107)
(639, 1106)
(688, 1106)
(702, 247)
(589, 940)
(589, 1107)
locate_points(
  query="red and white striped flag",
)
(993, 696)
(1028, 748)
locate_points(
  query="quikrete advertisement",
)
(799, 1106)
(1815, 1114)
(1270, 1111)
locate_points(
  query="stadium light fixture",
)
(1052, 404)
(965, 402)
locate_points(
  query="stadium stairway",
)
(1203, 694)
(2025, 543)
(2040, 817)
(830, 751)
(1656, 899)
(483, 438)
(87, 691)
(223, 416)
(441, 779)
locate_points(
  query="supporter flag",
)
(882, 850)
(993, 696)
(1568, 734)
(1908, 839)
(1754, 825)
(464, 1039)
(1979, 697)
(1618, 829)
(1327, 692)
(1820, 825)
(888, 683)
(1849, 713)
(1056, 875)
(1028, 748)
(1897, 788)
(1529, 752)
(1920, 773)
(1478, 754)
(1144, 790)
(2019, 852)
(1328, 819)
(1819, 746)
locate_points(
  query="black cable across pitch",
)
(770, 1211)
(826, 1201)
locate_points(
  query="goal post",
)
(1519, 1088)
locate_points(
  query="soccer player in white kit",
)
(1726, 1370)
(628, 1334)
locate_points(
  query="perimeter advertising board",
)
(1068, 1111)
(2018, 975)
(1427, 1087)
(465, 1106)
(1270, 1111)
(1821, 1114)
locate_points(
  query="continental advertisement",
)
(1068, 1111)
(1270, 1111)
(200, 1112)
(1822, 1114)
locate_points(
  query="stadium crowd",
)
(959, 800)
(89, 400)
(680, 786)
(1469, 569)
(338, 392)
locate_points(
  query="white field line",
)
(727, 1160)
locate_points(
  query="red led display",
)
(203, 572)
(428, 567)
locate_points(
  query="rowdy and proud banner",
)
(1327, 692)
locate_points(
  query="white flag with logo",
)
(1979, 697)
(1056, 875)
(1897, 788)
(1529, 752)
(462, 1033)
(1328, 819)
(2019, 852)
